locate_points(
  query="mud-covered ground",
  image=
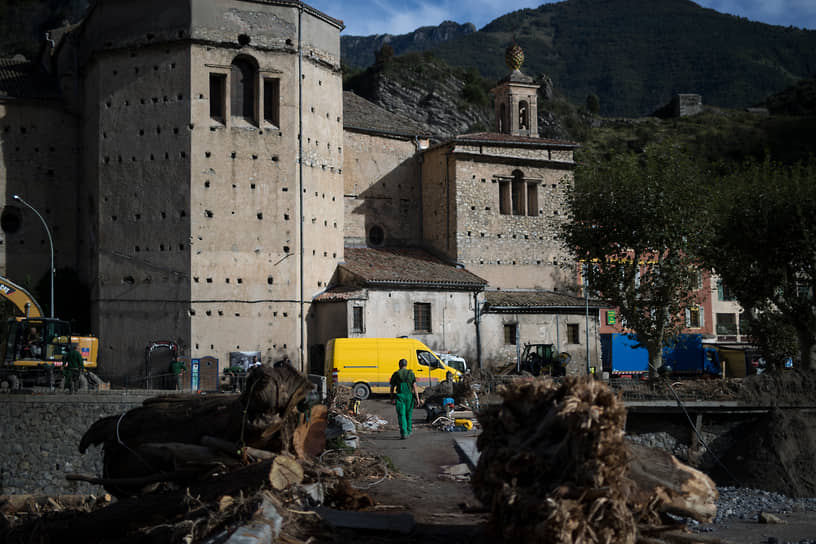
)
(447, 511)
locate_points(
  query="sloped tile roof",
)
(407, 267)
(530, 300)
(359, 113)
(20, 78)
(499, 138)
(340, 294)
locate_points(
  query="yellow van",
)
(366, 364)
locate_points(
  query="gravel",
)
(746, 504)
(740, 503)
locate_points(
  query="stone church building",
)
(205, 175)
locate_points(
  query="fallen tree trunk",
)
(164, 435)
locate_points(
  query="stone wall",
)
(382, 189)
(539, 328)
(463, 218)
(40, 437)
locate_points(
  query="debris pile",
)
(190, 468)
(554, 467)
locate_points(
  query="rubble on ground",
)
(192, 468)
(554, 467)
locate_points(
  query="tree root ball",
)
(553, 463)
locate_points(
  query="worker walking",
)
(404, 382)
(71, 367)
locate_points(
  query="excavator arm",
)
(20, 298)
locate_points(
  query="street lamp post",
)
(50, 244)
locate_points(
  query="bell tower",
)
(516, 98)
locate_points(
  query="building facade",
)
(205, 176)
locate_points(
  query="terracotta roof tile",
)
(407, 267)
(529, 300)
(511, 139)
(340, 294)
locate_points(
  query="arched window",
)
(502, 120)
(524, 115)
(242, 89)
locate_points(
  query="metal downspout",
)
(300, 182)
(476, 321)
(419, 180)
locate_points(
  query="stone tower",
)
(211, 173)
(516, 98)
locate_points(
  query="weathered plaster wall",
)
(197, 233)
(389, 314)
(382, 188)
(40, 439)
(38, 161)
(540, 329)
(138, 134)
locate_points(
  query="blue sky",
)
(365, 17)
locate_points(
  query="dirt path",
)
(443, 509)
(440, 507)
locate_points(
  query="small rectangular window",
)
(693, 318)
(727, 324)
(218, 87)
(271, 90)
(422, 317)
(573, 333)
(357, 319)
(510, 333)
(532, 199)
(518, 197)
(723, 292)
(504, 198)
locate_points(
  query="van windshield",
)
(426, 358)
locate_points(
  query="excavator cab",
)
(32, 342)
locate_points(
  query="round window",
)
(10, 220)
(376, 235)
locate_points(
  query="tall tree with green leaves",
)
(637, 222)
(764, 248)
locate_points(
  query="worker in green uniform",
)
(177, 369)
(72, 365)
(404, 382)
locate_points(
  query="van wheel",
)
(361, 390)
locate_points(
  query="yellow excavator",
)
(35, 344)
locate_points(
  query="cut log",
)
(678, 488)
(310, 437)
(263, 417)
(285, 472)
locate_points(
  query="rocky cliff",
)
(448, 101)
(359, 50)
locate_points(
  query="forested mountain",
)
(634, 54)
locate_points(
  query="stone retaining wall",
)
(39, 439)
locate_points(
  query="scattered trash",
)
(458, 473)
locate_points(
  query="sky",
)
(366, 17)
